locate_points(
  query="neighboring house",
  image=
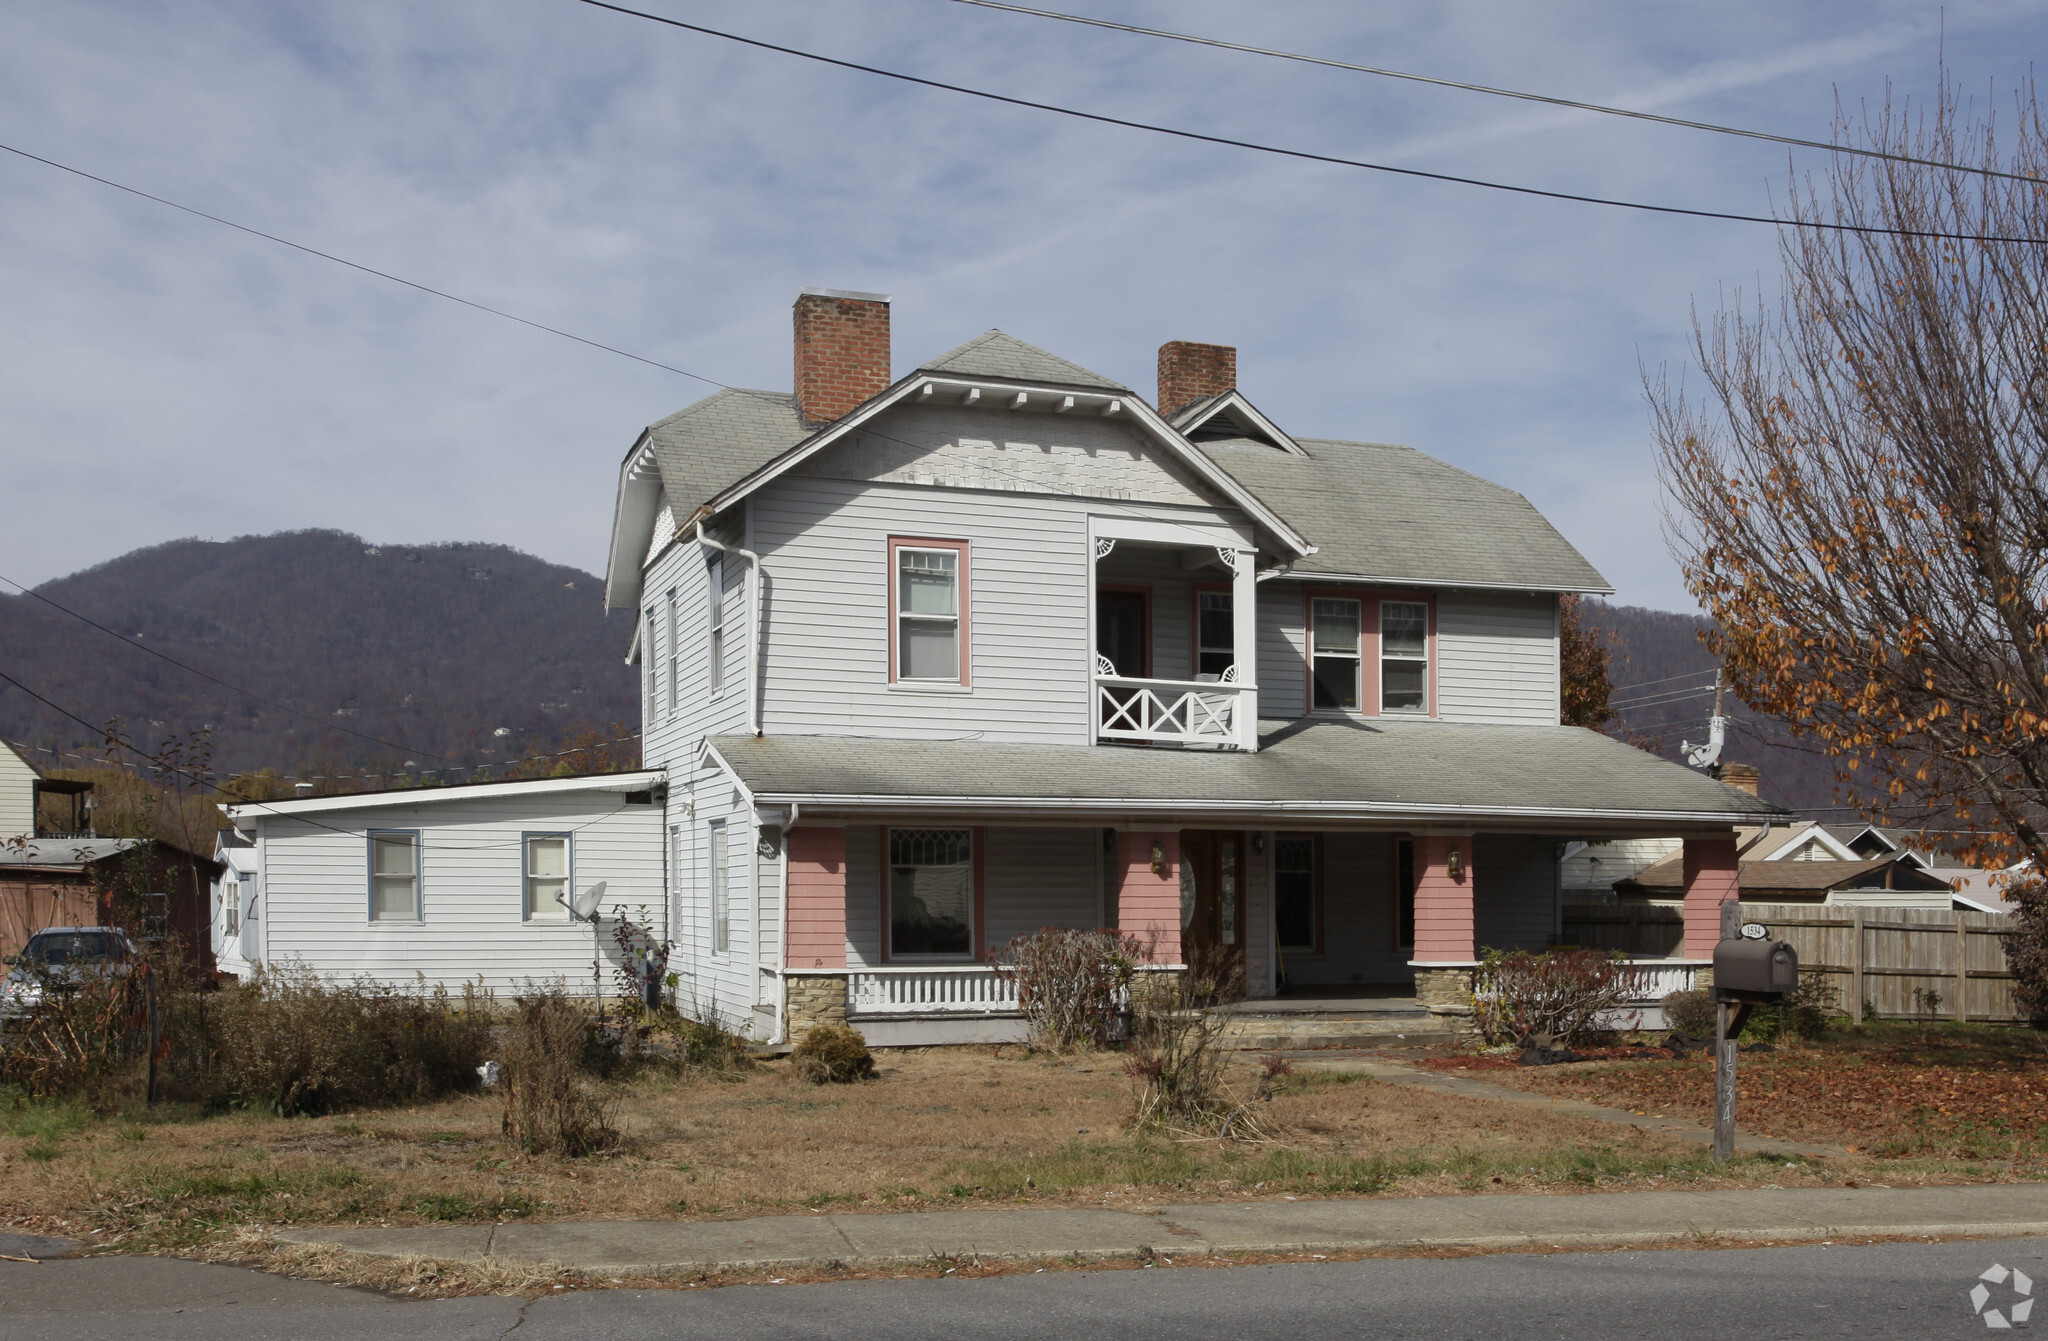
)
(932, 662)
(1892, 882)
(18, 779)
(56, 882)
(442, 884)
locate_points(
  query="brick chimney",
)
(1188, 372)
(1742, 777)
(842, 351)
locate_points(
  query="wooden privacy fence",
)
(1899, 963)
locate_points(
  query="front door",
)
(1212, 908)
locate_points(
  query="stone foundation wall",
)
(1447, 993)
(811, 1000)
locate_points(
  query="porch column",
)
(1149, 905)
(1444, 949)
(814, 942)
(1710, 880)
(1244, 642)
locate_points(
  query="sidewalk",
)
(1482, 1221)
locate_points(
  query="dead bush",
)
(552, 1106)
(293, 1042)
(1072, 986)
(1548, 999)
(1176, 1061)
(80, 1039)
(833, 1054)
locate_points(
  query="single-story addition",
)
(1340, 856)
(450, 884)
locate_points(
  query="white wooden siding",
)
(315, 889)
(1498, 658)
(17, 796)
(712, 984)
(824, 544)
(1514, 891)
(669, 740)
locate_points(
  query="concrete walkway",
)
(1481, 1221)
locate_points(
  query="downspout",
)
(782, 933)
(754, 624)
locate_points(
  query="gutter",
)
(754, 604)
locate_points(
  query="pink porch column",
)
(817, 899)
(1149, 905)
(1443, 902)
(1710, 880)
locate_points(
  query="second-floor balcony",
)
(1173, 616)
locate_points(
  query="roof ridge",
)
(1020, 354)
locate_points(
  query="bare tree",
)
(1859, 499)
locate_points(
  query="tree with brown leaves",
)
(1585, 658)
(1860, 500)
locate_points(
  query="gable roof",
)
(1386, 513)
(703, 448)
(1667, 877)
(994, 354)
(1227, 414)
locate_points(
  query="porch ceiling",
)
(1510, 778)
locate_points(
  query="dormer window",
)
(928, 600)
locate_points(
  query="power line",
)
(354, 265)
(1545, 98)
(1634, 685)
(268, 703)
(1304, 154)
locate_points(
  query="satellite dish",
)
(584, 909)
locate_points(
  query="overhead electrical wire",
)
(1335, 160)
(1547, 99)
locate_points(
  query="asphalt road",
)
(1893, 1290)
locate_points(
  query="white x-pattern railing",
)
(1188, 712)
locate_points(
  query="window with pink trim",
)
(928, 629)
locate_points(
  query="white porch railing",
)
(1213, 713)
(932, 991)
(1657, 979)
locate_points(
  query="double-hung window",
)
(721, 894)
(1404, 656)
(1294, 891)
(931, 893)
(930, 621)
(547, 876)
(714, 622)
(675, 644)
(1215, 635)
(394, 876)
(1334, 644)
(231, 906)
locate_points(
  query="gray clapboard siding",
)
(1035, 878)
(316, 889)
(1498, 658)
(1170, 588)
(1283, 650)
(1514, 891)
(725, 985)
(825, 545)
(670, 738)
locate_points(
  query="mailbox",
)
(1753, 968)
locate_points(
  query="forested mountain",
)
(1663, 678)
(374, 656)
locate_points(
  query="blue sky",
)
(669, 194)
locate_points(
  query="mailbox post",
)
(1748, 968)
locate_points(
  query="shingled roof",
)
(1796, 879)
(997, 355)
(705, 447)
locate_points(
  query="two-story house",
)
(935, 660)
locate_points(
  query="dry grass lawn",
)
(938, 1128)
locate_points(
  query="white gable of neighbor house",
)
(17, 795)
(1028, 451)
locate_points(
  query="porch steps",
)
(1292, 1031)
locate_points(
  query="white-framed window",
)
(394, 875)
(231, 906)
(1334, 640)
(931, 894)
(675, 644)
(714, 622)
(721, 892)
(1404, 656)
(929, 636)
(1215, 635)
(547, 877)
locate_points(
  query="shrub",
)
(551, 1104)
(293, 1042)
(1548, 999)
(1175, 1060)
(1802, 1014)
(1072, 985)
(1690, 1013)
(2026, 948)
(833, 1054)
(79, 1039)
